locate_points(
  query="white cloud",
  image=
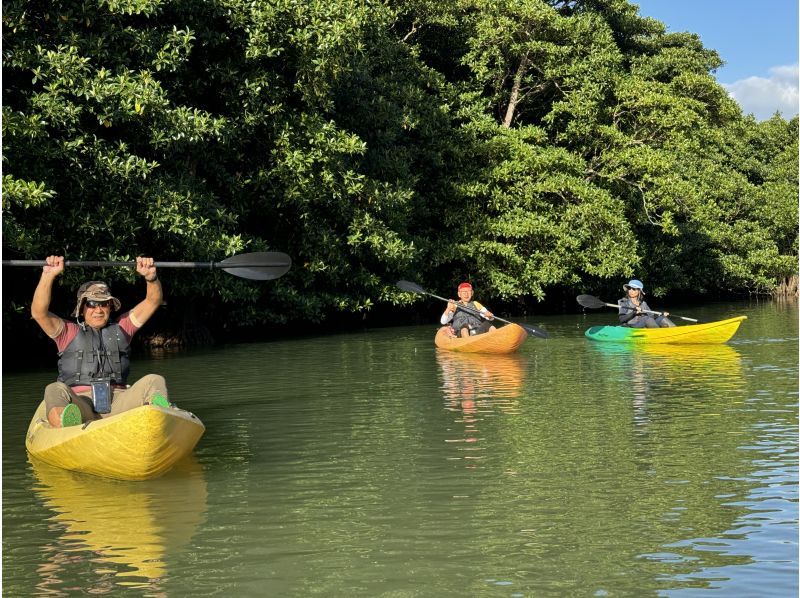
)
(763, 97)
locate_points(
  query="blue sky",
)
(757, 40)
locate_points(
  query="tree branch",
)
(515, 91)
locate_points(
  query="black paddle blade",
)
(410, 287)
(261, 265)
(590, 301)
(534, 331)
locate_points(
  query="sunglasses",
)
(93, 304)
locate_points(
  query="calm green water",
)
(370, 465)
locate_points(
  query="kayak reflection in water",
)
(633, 308)
(466, 317)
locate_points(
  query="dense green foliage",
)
(529, 146)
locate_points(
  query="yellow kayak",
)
(139, 444)
(501, 340)
(712, 332)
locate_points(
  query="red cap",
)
(465, 285)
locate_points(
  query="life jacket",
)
(95, 354)
(628, 317)
(467, 319)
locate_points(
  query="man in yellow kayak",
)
(632, 309)
(466, 317)
(94, 359)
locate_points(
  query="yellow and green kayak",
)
(710, 333)
(139, 444)
(507, 339)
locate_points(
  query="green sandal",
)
(71, 416)
(159, 401)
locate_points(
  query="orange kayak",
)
(501, 340)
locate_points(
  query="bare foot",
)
(54, 416)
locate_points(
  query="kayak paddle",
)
(594, 303)
(261, 265)
(411, 287)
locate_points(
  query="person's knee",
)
(154, 383)
(56, 388)
(150, 385)
(56, 394)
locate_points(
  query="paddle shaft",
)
(528, 329)
(209, 265)
(469, 309)
(647, 311)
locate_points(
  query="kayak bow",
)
(138, 444)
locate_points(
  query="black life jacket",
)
(464, 318)
(95, 354)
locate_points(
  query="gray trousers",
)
(650, 322)
(59, 394)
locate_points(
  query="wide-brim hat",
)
(96, 290)
(634, 284)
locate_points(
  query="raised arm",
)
(152, 300)
(50, 323)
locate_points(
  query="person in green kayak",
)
(466, 317)
(93, 352)
(633, 308)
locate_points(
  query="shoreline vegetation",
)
(787, 289)
(162, 336)
(539, 149)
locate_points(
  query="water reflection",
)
(477, 386)
(123, 530)
(708, 366)
(701, 371)
(329, 474)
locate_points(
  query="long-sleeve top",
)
(629, 316)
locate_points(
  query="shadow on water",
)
(122, 532)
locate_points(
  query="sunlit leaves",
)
(532, 145)
(25, 194)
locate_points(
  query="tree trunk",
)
(515, 92)
(787, 289)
